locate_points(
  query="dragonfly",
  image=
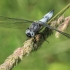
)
(35, 27)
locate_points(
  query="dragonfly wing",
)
(63, 33)
(2, 19)
(13, 22)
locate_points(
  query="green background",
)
(54, 55)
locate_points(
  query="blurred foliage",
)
(54, 55)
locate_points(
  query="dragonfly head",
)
(30, 33)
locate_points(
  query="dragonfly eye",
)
(28, 35)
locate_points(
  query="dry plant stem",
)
(60, 19)
(13, 59)
(63, 26)
(29, 46)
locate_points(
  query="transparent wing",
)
(2, 19)
(63, 33)
(13, 22)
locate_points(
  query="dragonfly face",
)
(30, 33)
